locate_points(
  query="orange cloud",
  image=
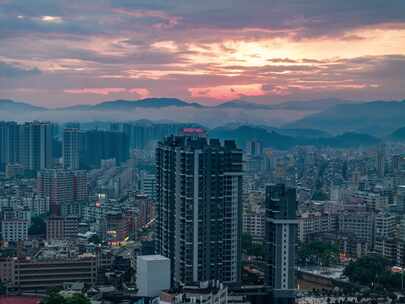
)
(141, 92)
(97, 91)
(257, 53)
(227, 92)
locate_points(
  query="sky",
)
(59, 53)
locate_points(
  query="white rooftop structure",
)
(152, 275)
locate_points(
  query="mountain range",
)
(118, 105)
(11, 105)
(327, 116)
(273, 139)
(376, 118)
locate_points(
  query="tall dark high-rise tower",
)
(96, 145)
(9, 138)
(380, 165)
(280, 242)
(71, 148)
(35, 145)
(29, 144)
(199, 193)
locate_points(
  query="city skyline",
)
(58, 53)
(214, 152)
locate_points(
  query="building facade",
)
(280, 243)
(199, 206)
(62, 187)
(37, 275)
(71, 150)
(29, 144)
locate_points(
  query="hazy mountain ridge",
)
(375, 118)
(123, 104)
(398, 135)
(143, 103)
(242, 104)
(305, 133)
(312, 105)
(276, 140)
(11, 105)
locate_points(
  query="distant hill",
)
(375, 118)
(378, 118)
(119, 105)
(304, 105)
(245, 133)
(14, 106)
(311, 105)
(302, 133)
(347, 140)
(398, 134)
(272, 139)
(242, 104)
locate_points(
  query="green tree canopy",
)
(95, 239)
(54, 297)
(77, 299)
(368, 270)
(250, 247)
(318, 253)
(38, 226)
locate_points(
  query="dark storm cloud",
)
(296, 17)
(303, 18)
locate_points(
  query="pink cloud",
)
(141, 92)
(227, 92)
(97, 91)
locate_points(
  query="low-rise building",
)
(14, 230)
(204, 293)
(36, 275)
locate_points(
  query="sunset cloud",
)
(228, 92)
(206, 51)
(139, 92)
(97, 91)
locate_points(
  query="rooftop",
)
(19, 300)
(154, 257)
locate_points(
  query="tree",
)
(368, 270)
(56, 298)
(319, 195)
(318, 253)
(250, 247)
(38, 226)
(77, 298)
(246, 242)
(3, 288)
(95, 239)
